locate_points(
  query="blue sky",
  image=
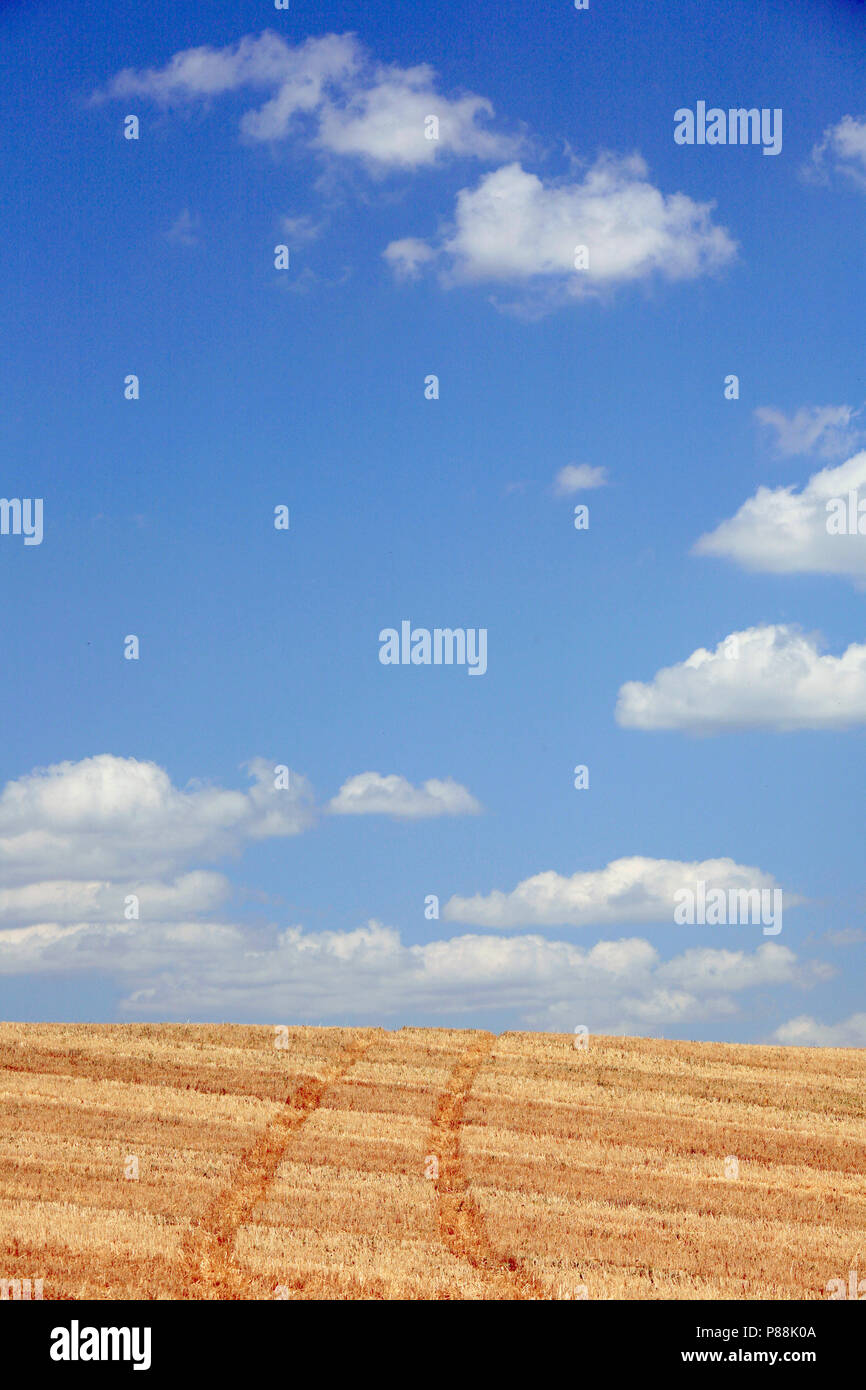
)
(557, 387)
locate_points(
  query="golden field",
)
(425, 1164)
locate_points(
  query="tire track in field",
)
(210, 1270)
(461, 1225)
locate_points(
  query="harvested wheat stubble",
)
(425, 1164)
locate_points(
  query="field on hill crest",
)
(234, 1162)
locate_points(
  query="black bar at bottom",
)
(229, 1339)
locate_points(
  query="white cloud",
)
(118, 818)
(770, 677)
(578, 477)
(358, 108)
(300, 230)
(841, 150)
(703, 969)
(513, 228)
(805, 1031)
(783, 531)
(385, 122)
(71, 900)
(628, 890)
(216, 970)
(823, 429)
(370, 794)
(406, 257)
(299, 75)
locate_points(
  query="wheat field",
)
(233, 1162)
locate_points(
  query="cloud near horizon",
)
(217, 970)
(76, 837)
(806, 1031)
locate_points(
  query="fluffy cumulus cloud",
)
(805, 1031)
(513, 228)
(578, 477)
(625, 891)
(332, 91)
(370, 794)
(118, 818)
(826, 430)
(770, 677)
(841, 150)
(813, 531)
(391, 122)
